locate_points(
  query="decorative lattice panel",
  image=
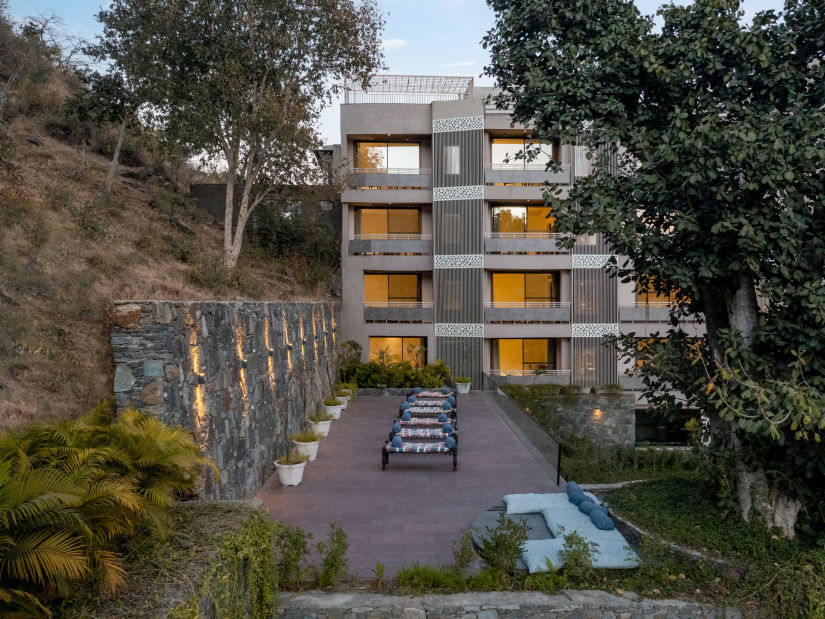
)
(458, 261)
(445, 329)
(464, 123)
(590, 261)
(468, 192)
(594, 329)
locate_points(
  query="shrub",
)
(291, 547)
(92, 216)
(331, 400)
(70, 491)
(502, 544)
(577, 556)
(333, 557)
(425, 578)
(463, 552)
(305, 437)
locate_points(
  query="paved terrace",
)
(415, 509)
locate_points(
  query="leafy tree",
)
(708, 144)
(242, 82)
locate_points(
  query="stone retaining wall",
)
(606, 418)
(225, 370)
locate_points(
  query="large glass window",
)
(519, 220)
(378, 157)
(391, 288)
(522, 356)
(377, 222)
(524, 289)
(392, 349)
(649, 296)
(503, 153)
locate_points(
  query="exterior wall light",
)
(243, 363)
(201, 379)
(270, 352)
(597, 413)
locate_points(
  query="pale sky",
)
(422, 37)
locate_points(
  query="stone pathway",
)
(415, 509)
(492, 605)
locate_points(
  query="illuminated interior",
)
(524, 289)
(503, 153)
(412, 349)
(386, 288)
(520, 356)
(650, 297)
(383, 156)
(521, 219)
(378, 222)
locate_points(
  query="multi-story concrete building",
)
(449, 252)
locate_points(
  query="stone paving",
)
(492, 605)
(415, 509)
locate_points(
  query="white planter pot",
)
(347, 392)
(345, 400)
(290, 474)
(321, 428)
(332, 411)
(463, 387)
(307, 449)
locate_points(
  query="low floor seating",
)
(563, 517)
(422, 433)
(424, 422)
(418, 448)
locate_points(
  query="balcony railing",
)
(391, 171)
(524, 235)
(654, 311)
(398, 304)
(524, 242)
(526, 304)
(391, 237)
(526, 174)
(521, 165)
(390, 178)
(530, 372)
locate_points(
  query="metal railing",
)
(525, 165)
(390, 171)
(525, 235)
(647, 304)
(534, 371)
(391, 237)
(537, 434)
(526, 304)
(399, 304)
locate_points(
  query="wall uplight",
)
(597, 413)
(201, 379)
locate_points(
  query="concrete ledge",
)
(490, 605)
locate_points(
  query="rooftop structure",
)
(409, 89)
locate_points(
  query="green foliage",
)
(241, 581)
(305, 436)
(291, 547)
(463, 552)
(333, 557)
(93, 216)
(378, 574)
(490, 579)
(210, 273)
(463, 379)
(300, 237)
(392, 373)
(70, 491)
(423, 578)
(502, 545)
(331, 400)
(577, 557)
(706, 138)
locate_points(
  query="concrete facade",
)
(232, 373)
(458, 249)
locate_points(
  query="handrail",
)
(525, 235)
(648, 304)
(390, 170)
(526, 304)
(399, 304)
(524, 165)
(533, 372)
(391, 237)
(544, 441)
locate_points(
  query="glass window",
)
(383, 288)
(650, 296)
(452, 162)
(504, 151)
(382, 221)
(525, 287)
(517, 220)
(381, 156)
(395, 349)
(526, 355)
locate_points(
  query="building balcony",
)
(390, 178)
(527, 311)
(524, 242)
(398, 311)
(391, 244)
(521, 173)
(648, 312)
(536, 376)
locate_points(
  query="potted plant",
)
(319, 424)
(306, 443)
(462, 384)
(340, 395)
(333, 407)
(291, 468)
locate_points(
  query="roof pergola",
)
(409, 89)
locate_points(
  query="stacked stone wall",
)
(229, 371)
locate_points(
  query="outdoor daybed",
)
(407, 447)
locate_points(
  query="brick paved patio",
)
(419, 505)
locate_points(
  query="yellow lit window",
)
(394, 349)
(525, 355)
(525, 287)
(650, 296)
(383, 288)
(517, 220)
(382, 221)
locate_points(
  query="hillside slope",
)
(67, 249)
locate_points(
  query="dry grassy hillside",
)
(67, 249)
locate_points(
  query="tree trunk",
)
(110, 179)
(228, 217)
(743, 310)
(758, 496)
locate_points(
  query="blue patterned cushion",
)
(577, 498)
(432, 433)
(421, 421)
(421, 448)
(450, 443)
(397, 442)
(451, 400)
(447, 428)
(587, 506)
(396, 427)
(572, 488)
(405, 405)
(442, 417)
(417, 390)
(411, 399)
(447, 406)
(406, 416)
(446, 390)
(602, 520)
